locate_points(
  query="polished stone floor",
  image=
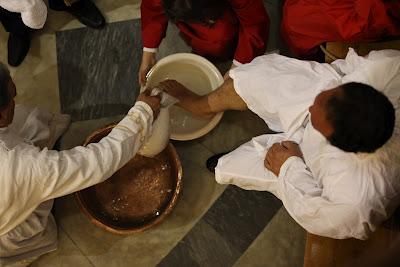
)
(212, 225)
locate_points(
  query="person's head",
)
(354, 117)
(193, 11)
(7, 94)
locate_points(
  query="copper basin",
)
(138, 196)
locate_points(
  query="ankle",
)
(205, 108)
(211, 107)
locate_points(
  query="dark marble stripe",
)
(97, 69)
(226, 230)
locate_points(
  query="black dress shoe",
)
(212, 161)
(83, 10)
(18, 47)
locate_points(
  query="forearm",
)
(225, 98)
(72, 170)
(154, 23)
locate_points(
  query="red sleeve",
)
(253, 29)
(154, 23)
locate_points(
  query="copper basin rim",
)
(175, 174)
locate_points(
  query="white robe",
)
(31, 177)
(33, 12)
(333, 193)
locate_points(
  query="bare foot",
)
(195, 104)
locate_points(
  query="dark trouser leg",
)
(84, 10)
(212, 161)
(19, 39)
(60, 5)
(12, 22)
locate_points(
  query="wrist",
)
(143, 106)
(235, 63)
(149, 58)
(289, 162)
(150, 50)
(148, 55)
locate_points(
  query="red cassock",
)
(241, 32)
(308, 23)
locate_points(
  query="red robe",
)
(242, 31)
(308, 23)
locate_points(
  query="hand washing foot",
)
(195, 104)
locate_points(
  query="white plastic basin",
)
(197, 74)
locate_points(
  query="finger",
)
(147, 91)
(164, 82)
(157, 104)
(165, 85)
(269, 156)
(266, 161)
(268, 165)
(143, 76)
(275, 146)
(285, 145)
(288, 144)
(158, 97)
(167, 82)
(141, 80)
(162, 87)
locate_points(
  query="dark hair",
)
(5, 97)
(362, 118)
(199, 11)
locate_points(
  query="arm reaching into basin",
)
(221, 99)
(39, 175)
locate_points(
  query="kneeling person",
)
(32, 176)
(218, 30)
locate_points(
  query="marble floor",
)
(212, 225)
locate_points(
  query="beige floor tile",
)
(36, 78)
(66, 255)
(113, 11)
(281, 244)
(119, 10)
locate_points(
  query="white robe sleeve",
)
(40, 175)
(64, 172)
(303, 198)
(33, 12)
